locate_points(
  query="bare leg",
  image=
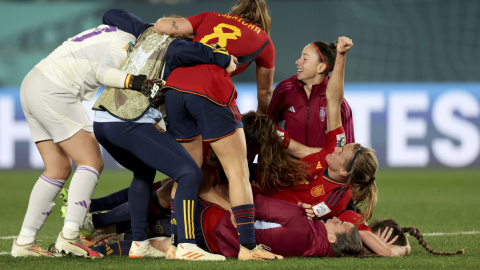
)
(57, 170)
(83, 148)
(232, 153)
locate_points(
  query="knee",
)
(191, 175)
(60, 171)
(96, 163)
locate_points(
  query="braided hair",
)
(402, 239)
(417, 234)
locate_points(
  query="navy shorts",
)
(189, 116)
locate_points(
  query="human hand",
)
(233, 65)
(385, 235)
(308, 210)
(152, 90)
(343, 45)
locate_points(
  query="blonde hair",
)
(254, 11)
(361, 177)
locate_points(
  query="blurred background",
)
(412, 77)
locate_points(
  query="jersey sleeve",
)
(352, 217)
(187, 53)
(277, 103)
(317, 162)
(278, 211)
(347, 121)
(125, 21)
(108, 72)
(266, 58)
(196, 20)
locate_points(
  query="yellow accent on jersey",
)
(301, 182)
(222, 37)
(319, 165)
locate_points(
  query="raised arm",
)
(187, 53)
(168, 25)
(125, 21)
(300, 150)
(334, 92)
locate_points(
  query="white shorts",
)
(52, 112)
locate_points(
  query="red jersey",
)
(293, 234)
(329, 195)
(305, 117)
(246, 41)
(353, 217)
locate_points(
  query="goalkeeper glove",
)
(149, 88)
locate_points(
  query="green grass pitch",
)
(443, 203)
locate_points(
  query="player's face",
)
(308, 66)
(337, 158)
(335, 225)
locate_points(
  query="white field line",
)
(16, 236)
(453, 233)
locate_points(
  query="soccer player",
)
(51, 96)
(299, 103)
(142, 146)
(204, 107)
(280, 226)
(336, 173)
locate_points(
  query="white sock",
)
(80, 192)
(40, 205)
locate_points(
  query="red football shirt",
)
(353, 217)
(246, 41)
(320, 188)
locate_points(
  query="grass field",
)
(443, 203)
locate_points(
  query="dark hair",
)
(348, 244)
(402, 239)
(254, 11)
(329, 53)
(277, 168)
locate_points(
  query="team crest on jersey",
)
(158, 229)
(323, 113)
(317, 191)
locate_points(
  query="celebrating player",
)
(51, 96)
(204, 107)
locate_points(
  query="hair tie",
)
(321, 56)
(354, 157)
(371, 180)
